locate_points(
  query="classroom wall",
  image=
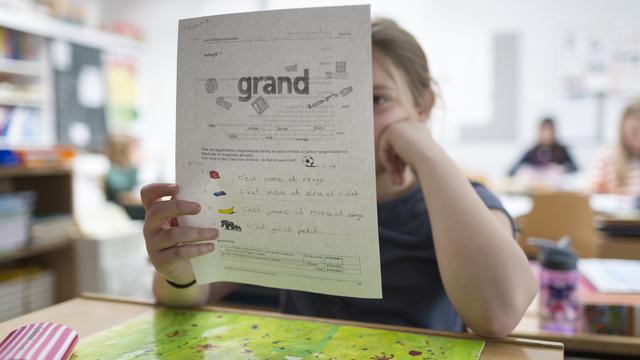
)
(458, 37)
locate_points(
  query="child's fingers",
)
(167, 259)
(397, 173)
(170, 237)
(173, 221)
(384, 153)
(154, 192)
(163, 211)
(392, 162)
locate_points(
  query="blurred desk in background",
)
(529, 328)
(616, 224)
(540, 183)
(583, 342)
(618, 221)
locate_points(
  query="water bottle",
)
(559, 279)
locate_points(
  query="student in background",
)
(123, 172)
(618, 169)
(447, 252)
(547, 155)
(122, 178)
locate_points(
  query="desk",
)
(529, 327)
(589, 343)
(586, 238)
(91, 313)
(619, 235)
(614, 247)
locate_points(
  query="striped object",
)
(42, 341)
(604, 178)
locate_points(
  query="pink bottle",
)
(559, 280)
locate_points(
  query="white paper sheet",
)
(612, 275)
(275, 141)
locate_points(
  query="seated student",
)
(447, 250)
(547, 155)
(122, 178)
(618, 169)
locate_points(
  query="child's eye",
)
(379, 100)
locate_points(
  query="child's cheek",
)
(387, 118)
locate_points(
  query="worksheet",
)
(275, 141)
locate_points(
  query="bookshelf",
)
(41, 60)
(52, 185)
(21, 67)
(47, 27)
(24, 89)
(35, 250)
(33, 50)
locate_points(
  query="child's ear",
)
(428, 100)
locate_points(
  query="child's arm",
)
(485, 273)
(170, 248)
(192, 296)
(519, 164)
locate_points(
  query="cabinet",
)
(54, 249)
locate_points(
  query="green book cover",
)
(189, 334)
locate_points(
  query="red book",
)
(44, 340)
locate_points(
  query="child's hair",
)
(120, 149)
(551, 124)
(548, 121)
(405, 53)
(624, 153)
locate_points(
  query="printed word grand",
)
(250, 85)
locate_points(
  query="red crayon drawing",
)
(214, 175)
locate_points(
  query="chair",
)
(556, 214)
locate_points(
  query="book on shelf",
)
(17, 45)
(20, 126)
(15, 215)
(54, 229)
(25, 289)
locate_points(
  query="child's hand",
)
(401, 145)
(168, 244)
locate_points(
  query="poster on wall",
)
(80, 95)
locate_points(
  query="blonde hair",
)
(623, 151)
(120, 150)
(406, 54)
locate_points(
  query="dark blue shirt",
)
(413, 293)
(541, 155)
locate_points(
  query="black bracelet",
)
(181, 286)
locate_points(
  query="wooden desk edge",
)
(591, 343)
(508, 340)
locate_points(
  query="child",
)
(618, 171)
(448, 256)
(547, 154)
(122, 178)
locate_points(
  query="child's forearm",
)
(171, 296)
(484, 271)
(194, 295)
